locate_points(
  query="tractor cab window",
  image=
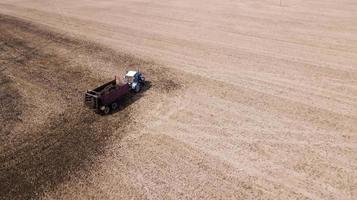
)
(129, 79)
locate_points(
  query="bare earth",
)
(246, 100)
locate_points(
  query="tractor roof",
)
(130, 73)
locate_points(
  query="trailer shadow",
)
(131, 98)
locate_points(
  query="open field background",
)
(248, 99)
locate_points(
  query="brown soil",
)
(247, 99)
(36, 157)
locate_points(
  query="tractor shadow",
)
(131, 98)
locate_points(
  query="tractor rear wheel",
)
(137, 88)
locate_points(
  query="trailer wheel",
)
(114, 106)
(106, 110)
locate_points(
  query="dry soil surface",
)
(246, 100)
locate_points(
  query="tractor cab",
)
(135, 80)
